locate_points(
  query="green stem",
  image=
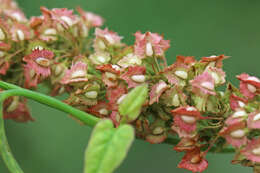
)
(86, 118)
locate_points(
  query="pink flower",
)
(106, 38)
(77, 73)
(91, 19)
(134, 76)
(186, 118)
(194, 161)
(109, 75)
(101, 109)
(115, 96)
(16, 110)
(40, 61)
(16, 15)
(217, 74)
(31, 77)
(236, 102)
(253, 121)
(252, 150)
(249, 85)
(176, 74)
(20, 32)
(203, 84)
(235, 134)
(150, 44)
(215, 61)
(157, 91)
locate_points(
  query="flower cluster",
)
(184, 100)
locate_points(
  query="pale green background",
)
(55, 143)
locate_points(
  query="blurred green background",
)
(55, 143)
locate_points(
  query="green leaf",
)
(131, 106)
(107, 147)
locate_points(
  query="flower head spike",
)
(149, 44)
(203, 84)
(91, 19)
(40, 61)
(249, 85)
(77, 73)
(186, 117)
(214, 61)
(235, 134)
(252, 150)
(134, 76)
(194, 161)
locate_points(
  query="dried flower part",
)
(31, 77)
(237, 102)
(253, 121)
(174, 97)
(150, 44)
(214, 61)
(101, 109)
(182, 133)
(19, 111)
(77, 73)
(187, 60)
(235, 134)
(40, 61)
(157, 91)
(252, 150)
(156, 139)
(134, 76)
(115, 96)
(129, 60)
(91, 19)
(249, 85)
(203, 84)
(194, 161)
(186, 144)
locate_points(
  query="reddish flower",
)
(101, 109)
(40, 61)
(36, 21)
(4, 66)
(235, 134)
(31, 77)
(187, 60)
(215, 61)
(134, 76)
(253, 121)
(186, 118)
(77, 73)
(176, 74)
(236, 102)
(194, 161)
(252, 150)
(249, 85)
(182, 133)
(109, 74)
(115, 96)
(115, 117)
(203, 84)
(20, 32)
(16, 110)
(150, 44)
(217, 74)
(157, 91)
(91, 19)
(106, 37)
(186, 144)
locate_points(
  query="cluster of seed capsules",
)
(60, 50)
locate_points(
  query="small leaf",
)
(131, 105)
(107, 147)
